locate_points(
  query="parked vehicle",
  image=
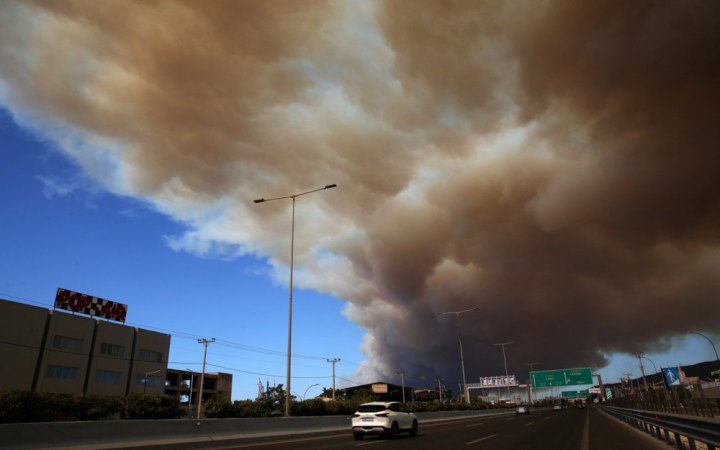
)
(384, 418)
(522, 409)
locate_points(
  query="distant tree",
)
(363, 395)
(339, 393)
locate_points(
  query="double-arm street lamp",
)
(292, 256)
(466, 394)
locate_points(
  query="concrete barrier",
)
(138, 433)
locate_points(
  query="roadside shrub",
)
(26, 406)
(98, 408)
(142, 406)
(218, 407)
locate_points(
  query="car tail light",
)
(382, 415)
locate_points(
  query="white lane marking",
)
(284, 441)
(585, 442)
(510, 418)
(475, 425)
(529, 423)
(481, 439)
(370, 443)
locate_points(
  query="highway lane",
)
(586, 429)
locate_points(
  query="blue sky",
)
(76, 236)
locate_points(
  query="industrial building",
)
(186, 385)
(61, 352)
(55, 351)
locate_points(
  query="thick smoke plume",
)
(554, 163)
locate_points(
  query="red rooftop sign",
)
(92, 306)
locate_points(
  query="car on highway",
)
(557, 407)
(579, 404)
(522, 409)
(383, 418)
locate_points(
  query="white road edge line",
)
(481, 439)
(529, 423)
(474, 425)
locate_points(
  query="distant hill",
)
(701, 370)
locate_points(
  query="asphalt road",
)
(586, 429)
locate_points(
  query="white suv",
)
(385, 418)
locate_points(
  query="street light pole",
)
(711, 343)
(292, 257)
(503, 344)
(466, 394)
(306, 391)
(190, 396)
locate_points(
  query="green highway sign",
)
(561, 377)
(576, 394)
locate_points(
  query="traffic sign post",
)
(561, 377)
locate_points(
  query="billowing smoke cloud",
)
(553, 163)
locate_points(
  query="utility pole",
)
(333, 361)
(530, 394)
(642, 369)
(602, 387)
(402, 380)
(205, 342)
(439, 389)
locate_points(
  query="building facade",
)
(54, 351)
(186, 385)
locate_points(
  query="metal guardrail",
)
(671, 427)
(706, 407)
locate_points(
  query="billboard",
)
(499, 381)
(379, 388)
(561, 377)
(92, 306)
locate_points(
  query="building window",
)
(62, 372)
(112, 350)
(107, 376)
(152, 380)
(150, 356)
(67, 343)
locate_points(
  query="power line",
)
(192, 336)
(263, 374)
